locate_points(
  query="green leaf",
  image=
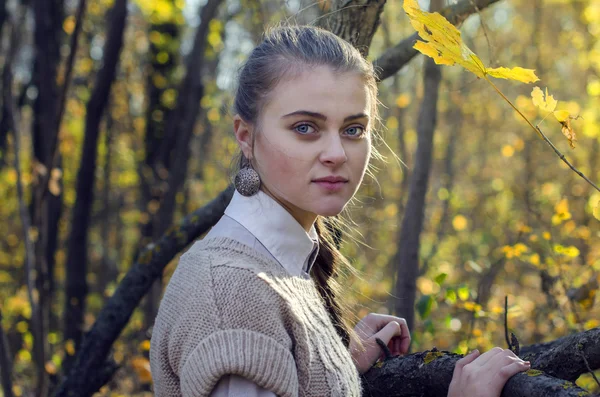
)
(440, 278)
(424, 306)
(463, 293)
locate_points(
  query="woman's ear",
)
(243, 134)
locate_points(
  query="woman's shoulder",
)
(218, 252)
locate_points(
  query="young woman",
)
(253, 309)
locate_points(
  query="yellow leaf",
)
(459, 223)
(547, 104)
(69, 24)
(516, 73)
(141, 365)
(596, 211)
(70, 347)
(443, 43)
(568, 132)
(546, 236)
(403, 101)
(50, 367)
(561, 115)
(561, 212)
(145, 345)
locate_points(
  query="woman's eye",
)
(355, 130)
(304, 129)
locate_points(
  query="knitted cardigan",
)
(230, 310)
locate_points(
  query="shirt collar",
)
(276, 229)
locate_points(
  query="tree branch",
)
(76, 265)
(562, 357)
(113, 317)
(428, 374)
(13, 124)
(396, 57)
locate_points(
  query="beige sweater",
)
(230, 310)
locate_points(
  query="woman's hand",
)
(484, 375)
(392, 330)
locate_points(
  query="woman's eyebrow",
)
(323, 117)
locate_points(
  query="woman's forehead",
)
(323, 91)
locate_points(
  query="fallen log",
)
(566, 357)
(428, 374)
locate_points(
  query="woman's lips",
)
(331, 186)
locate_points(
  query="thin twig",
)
(70, 64)
(544, 137)
(485, 33)
(506, 320)
(587, 364)
(386, 350)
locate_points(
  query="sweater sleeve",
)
(237, 386)
(249, 354)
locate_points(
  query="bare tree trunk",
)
(46, 207)
(5, 363)
(180, 124)
(3, 15)
(407, 257)
(454, 114)
(151, 174)
(355, 21)
(108, 271)
(3, 126)
(76, 265)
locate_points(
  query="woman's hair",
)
(284, 53)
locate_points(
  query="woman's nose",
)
(334, 153)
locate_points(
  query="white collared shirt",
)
(263, 224)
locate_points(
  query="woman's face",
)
(314, 126)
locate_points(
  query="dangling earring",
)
(247, 181)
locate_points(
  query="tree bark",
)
(428, 374)
(46, 207)
(355, 21)
(407, 257)
(180, 124)
(3, 126)
(151, 172)
(76, 265)
(92, 356)
(563, 357)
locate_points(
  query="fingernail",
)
(474, 351)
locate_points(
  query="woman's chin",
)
(331, 210)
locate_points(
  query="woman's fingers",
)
(504, 358)
(469, 358)
(507, 371)
(402, 343)
(388, 332)
(488, 355)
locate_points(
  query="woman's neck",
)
(306, 219)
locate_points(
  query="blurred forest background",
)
(115, 125)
